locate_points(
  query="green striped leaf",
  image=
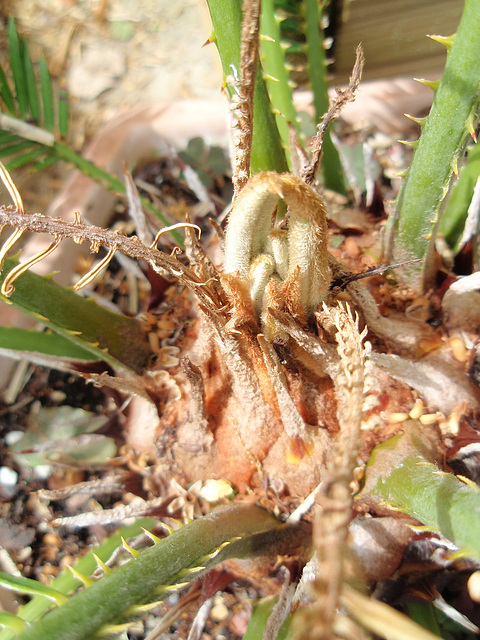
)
(17, 69)
(46, 91)
(28, 341)
(12, 149)
(26, 158)
(63, 113)
(6, 93)
(31, 82)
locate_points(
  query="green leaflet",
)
(438, 500)
(271, 137)
(260, 615)
(31, 587)
(106, 335)
(46, 91)
(63, 435)
(19, 341)
(273, 61)
(267, 148)
(453, 219)
(33, 100)
(233, 531)
(6, 93)
(18, 71)
(317, 70)
(12, 622)
(67, 583)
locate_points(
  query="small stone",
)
(215, 490)
(219, 611)
(473, 586)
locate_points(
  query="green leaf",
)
(7, 138)
(63, 113)
(63, 435)
(267, 148)
(46, 91)
(259, 619)
(217, 161)
(108, 336)
(196, 149)
(26, 158)
(424, 614)
(411, 232)
(67, 583)
(6, 93)
(24, 341)
(452, 222)
(437, 499)
(26, 89)
(44, 163)
(17, 69)
(107, 180)
(12, 622)
(31, 82)
(16, 147)
(30, 587)
(234, 531)
(273, 61)
(317, 68)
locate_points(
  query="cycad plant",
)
(277, 392)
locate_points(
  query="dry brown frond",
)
(334, 497)
(243, 102)
(341, 99)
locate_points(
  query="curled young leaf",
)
(297, 258)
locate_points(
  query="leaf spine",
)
(87, 581)
(470, 483)
(170, 587)
(447, 41)
(419, 121)
(268, 78)
(113, 629)
(189, 570)
(167, 528)
(409, 143)
(433, 84)
(155, 539)
(454, 165)
(136, 609)
(133, 552)
(101, 565)
(470, 125)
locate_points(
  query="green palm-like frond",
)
(31, 99)
(34, 121)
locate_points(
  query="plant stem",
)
(137, 581)
(108, 336)
(267, 149)
(317, 69)
(67, 583)
(274, 64)
(412, 231)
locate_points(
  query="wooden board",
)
(393, 34)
